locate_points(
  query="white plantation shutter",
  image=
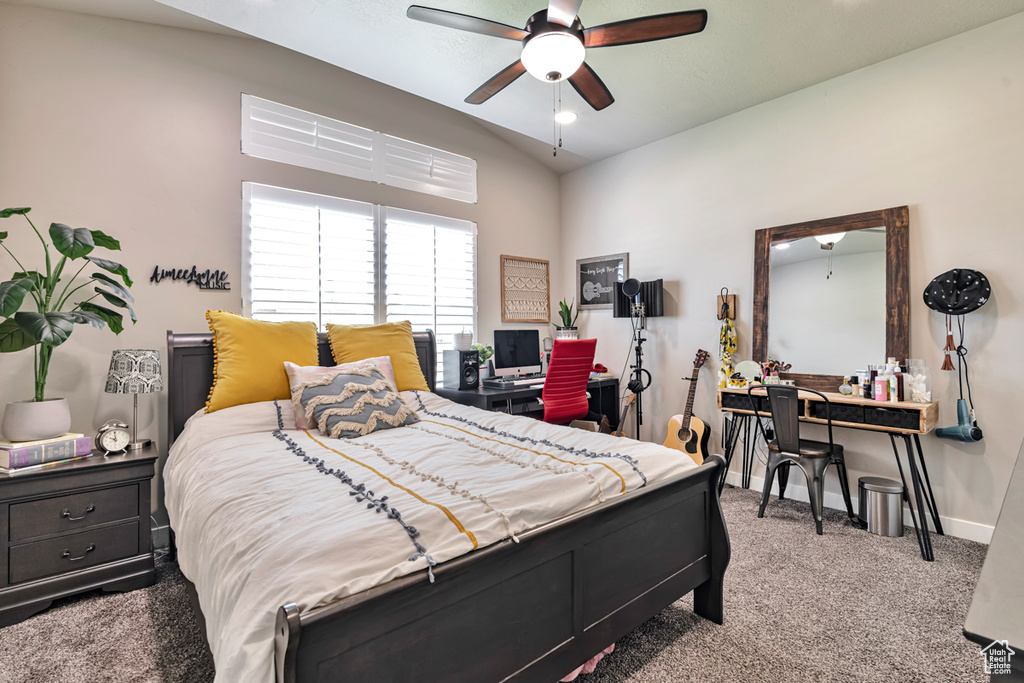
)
(427, 169)
(348, 266)
(275, 131)
(281, 133)
(331, 260)
(307, 257)
(430, 273)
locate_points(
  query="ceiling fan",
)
(555, 41)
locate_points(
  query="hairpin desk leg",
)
(929, 495)
(923, 539)
(730, 447)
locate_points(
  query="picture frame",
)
(596, 278)
(525, 290)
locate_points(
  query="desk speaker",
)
(461, 369)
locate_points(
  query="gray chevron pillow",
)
(351, 403)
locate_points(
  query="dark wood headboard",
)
(190, 372)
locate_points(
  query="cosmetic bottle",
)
(881, 387)
(869, 385)
(845, 389)
(855, 385)
(894, 388)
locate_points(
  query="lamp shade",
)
(134, 371)
(553, 56)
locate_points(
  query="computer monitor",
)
(516, 352)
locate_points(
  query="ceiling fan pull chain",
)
(554, 121)
(557, 110)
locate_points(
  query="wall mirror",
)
(831, 296)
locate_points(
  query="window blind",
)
(281, 133)
(427, 169)
(308, 257)
(331, 260)
(275, 131)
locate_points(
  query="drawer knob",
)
(67, 513)
(67, 553)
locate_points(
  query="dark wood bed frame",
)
(527, 611)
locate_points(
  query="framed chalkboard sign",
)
(596, 278)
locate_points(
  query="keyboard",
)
(514, 382)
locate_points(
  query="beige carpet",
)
(846, 606)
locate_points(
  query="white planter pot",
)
(463, 340)
(567, 333)
(32, 420)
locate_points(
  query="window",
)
(331, 260)
(275, 131)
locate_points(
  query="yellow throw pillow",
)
(350, 343)
(249, 357)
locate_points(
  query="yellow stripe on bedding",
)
(454, 520)
(530, 450)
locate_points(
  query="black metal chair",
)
(787, 448)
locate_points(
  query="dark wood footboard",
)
(531, 611)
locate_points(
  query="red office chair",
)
(565, 386)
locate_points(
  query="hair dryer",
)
(964, 431)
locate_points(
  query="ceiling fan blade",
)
(464, 22)
(644, 29)
(492, 87)
(591, 88)
(563, 11)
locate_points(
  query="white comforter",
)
(260, 521)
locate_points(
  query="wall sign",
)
(205, 279)
(596, 278)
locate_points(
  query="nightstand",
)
(72, 527)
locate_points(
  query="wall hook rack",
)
(726, 305)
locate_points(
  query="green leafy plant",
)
(49, 294)
(485, 352)
(565, 312)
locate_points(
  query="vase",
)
(35, 420)
(463, 340)
(567, 333)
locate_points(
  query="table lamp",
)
(135, 371)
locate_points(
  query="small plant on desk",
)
(567, 330)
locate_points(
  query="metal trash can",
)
(881, 505)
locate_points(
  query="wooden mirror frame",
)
(897, 282)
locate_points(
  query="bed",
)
(530, 603)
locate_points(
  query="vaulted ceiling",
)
(751, 52)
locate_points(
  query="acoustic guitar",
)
(686, 432)
(620, 430)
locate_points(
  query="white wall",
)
(134, 129)
(828, 326)
(938, 129)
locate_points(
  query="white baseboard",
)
(972, 531)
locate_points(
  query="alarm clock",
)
(113, 437)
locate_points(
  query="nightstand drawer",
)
(72, 552)
(73, 512)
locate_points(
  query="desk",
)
(901, 419)
(604, 398)
(995, 611)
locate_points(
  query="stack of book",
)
(17, 455)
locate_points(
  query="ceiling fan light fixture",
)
(565, 117)
(554, 56)
(830, 238)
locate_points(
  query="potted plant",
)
(52, 311)
(463, 340)
(568, 329)
(484, 352)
